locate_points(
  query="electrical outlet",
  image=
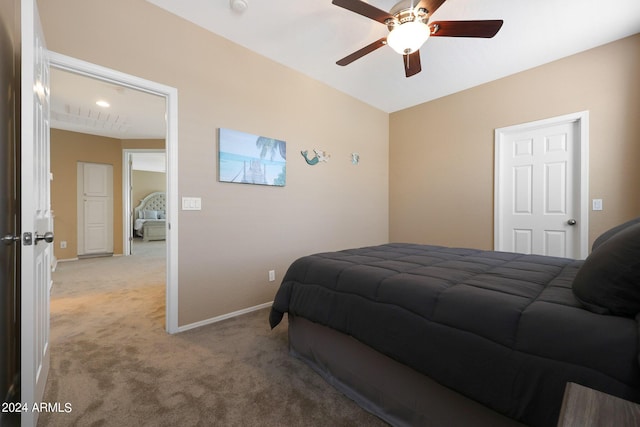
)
(272, 275)
(63, 244)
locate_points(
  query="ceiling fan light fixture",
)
(408, 37)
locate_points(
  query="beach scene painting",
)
(251, 159)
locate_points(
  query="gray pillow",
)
(611, 232)
(609, 280)
(148, 214)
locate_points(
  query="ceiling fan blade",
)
(362, 52)
(364, 9)
(484, 29)
(431, 5)
(412, 63)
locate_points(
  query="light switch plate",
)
(191, 204)
(597, 204)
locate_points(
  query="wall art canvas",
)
(251, 159)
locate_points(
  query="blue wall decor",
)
(251, 159)
(319, 156)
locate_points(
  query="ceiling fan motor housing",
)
(407, 15)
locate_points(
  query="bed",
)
(150, 217)
(430, 335)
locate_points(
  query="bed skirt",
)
(386, 388)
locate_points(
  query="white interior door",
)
(539, 189)
(95, 208)
(36, 218)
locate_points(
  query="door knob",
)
(47, 237)
(10, 238)
(572, 222)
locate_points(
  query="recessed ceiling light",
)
(103, 104)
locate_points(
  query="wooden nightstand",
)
(585, 407)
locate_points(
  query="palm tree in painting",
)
(271, 147)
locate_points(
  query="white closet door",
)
(95, 208)
(540, 194)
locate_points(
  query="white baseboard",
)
(78, 259)
(67, 259)
(223, 317)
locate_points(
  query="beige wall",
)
(441, 178)
(243, 231)
(67, 149)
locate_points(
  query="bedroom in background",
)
(146, 119)
(145, 170)
(104, 149)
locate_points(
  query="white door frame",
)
(582, 120)
(126, 193)
(84, 68)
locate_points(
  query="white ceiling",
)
(132, 114)
(311, 35)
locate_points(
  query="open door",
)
(36, 217)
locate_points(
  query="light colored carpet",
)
(113, 362)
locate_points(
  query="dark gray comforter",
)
(503, 329)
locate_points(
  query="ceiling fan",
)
(409, 28)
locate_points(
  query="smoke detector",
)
(239, 6)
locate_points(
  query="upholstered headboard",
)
(154, 202)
